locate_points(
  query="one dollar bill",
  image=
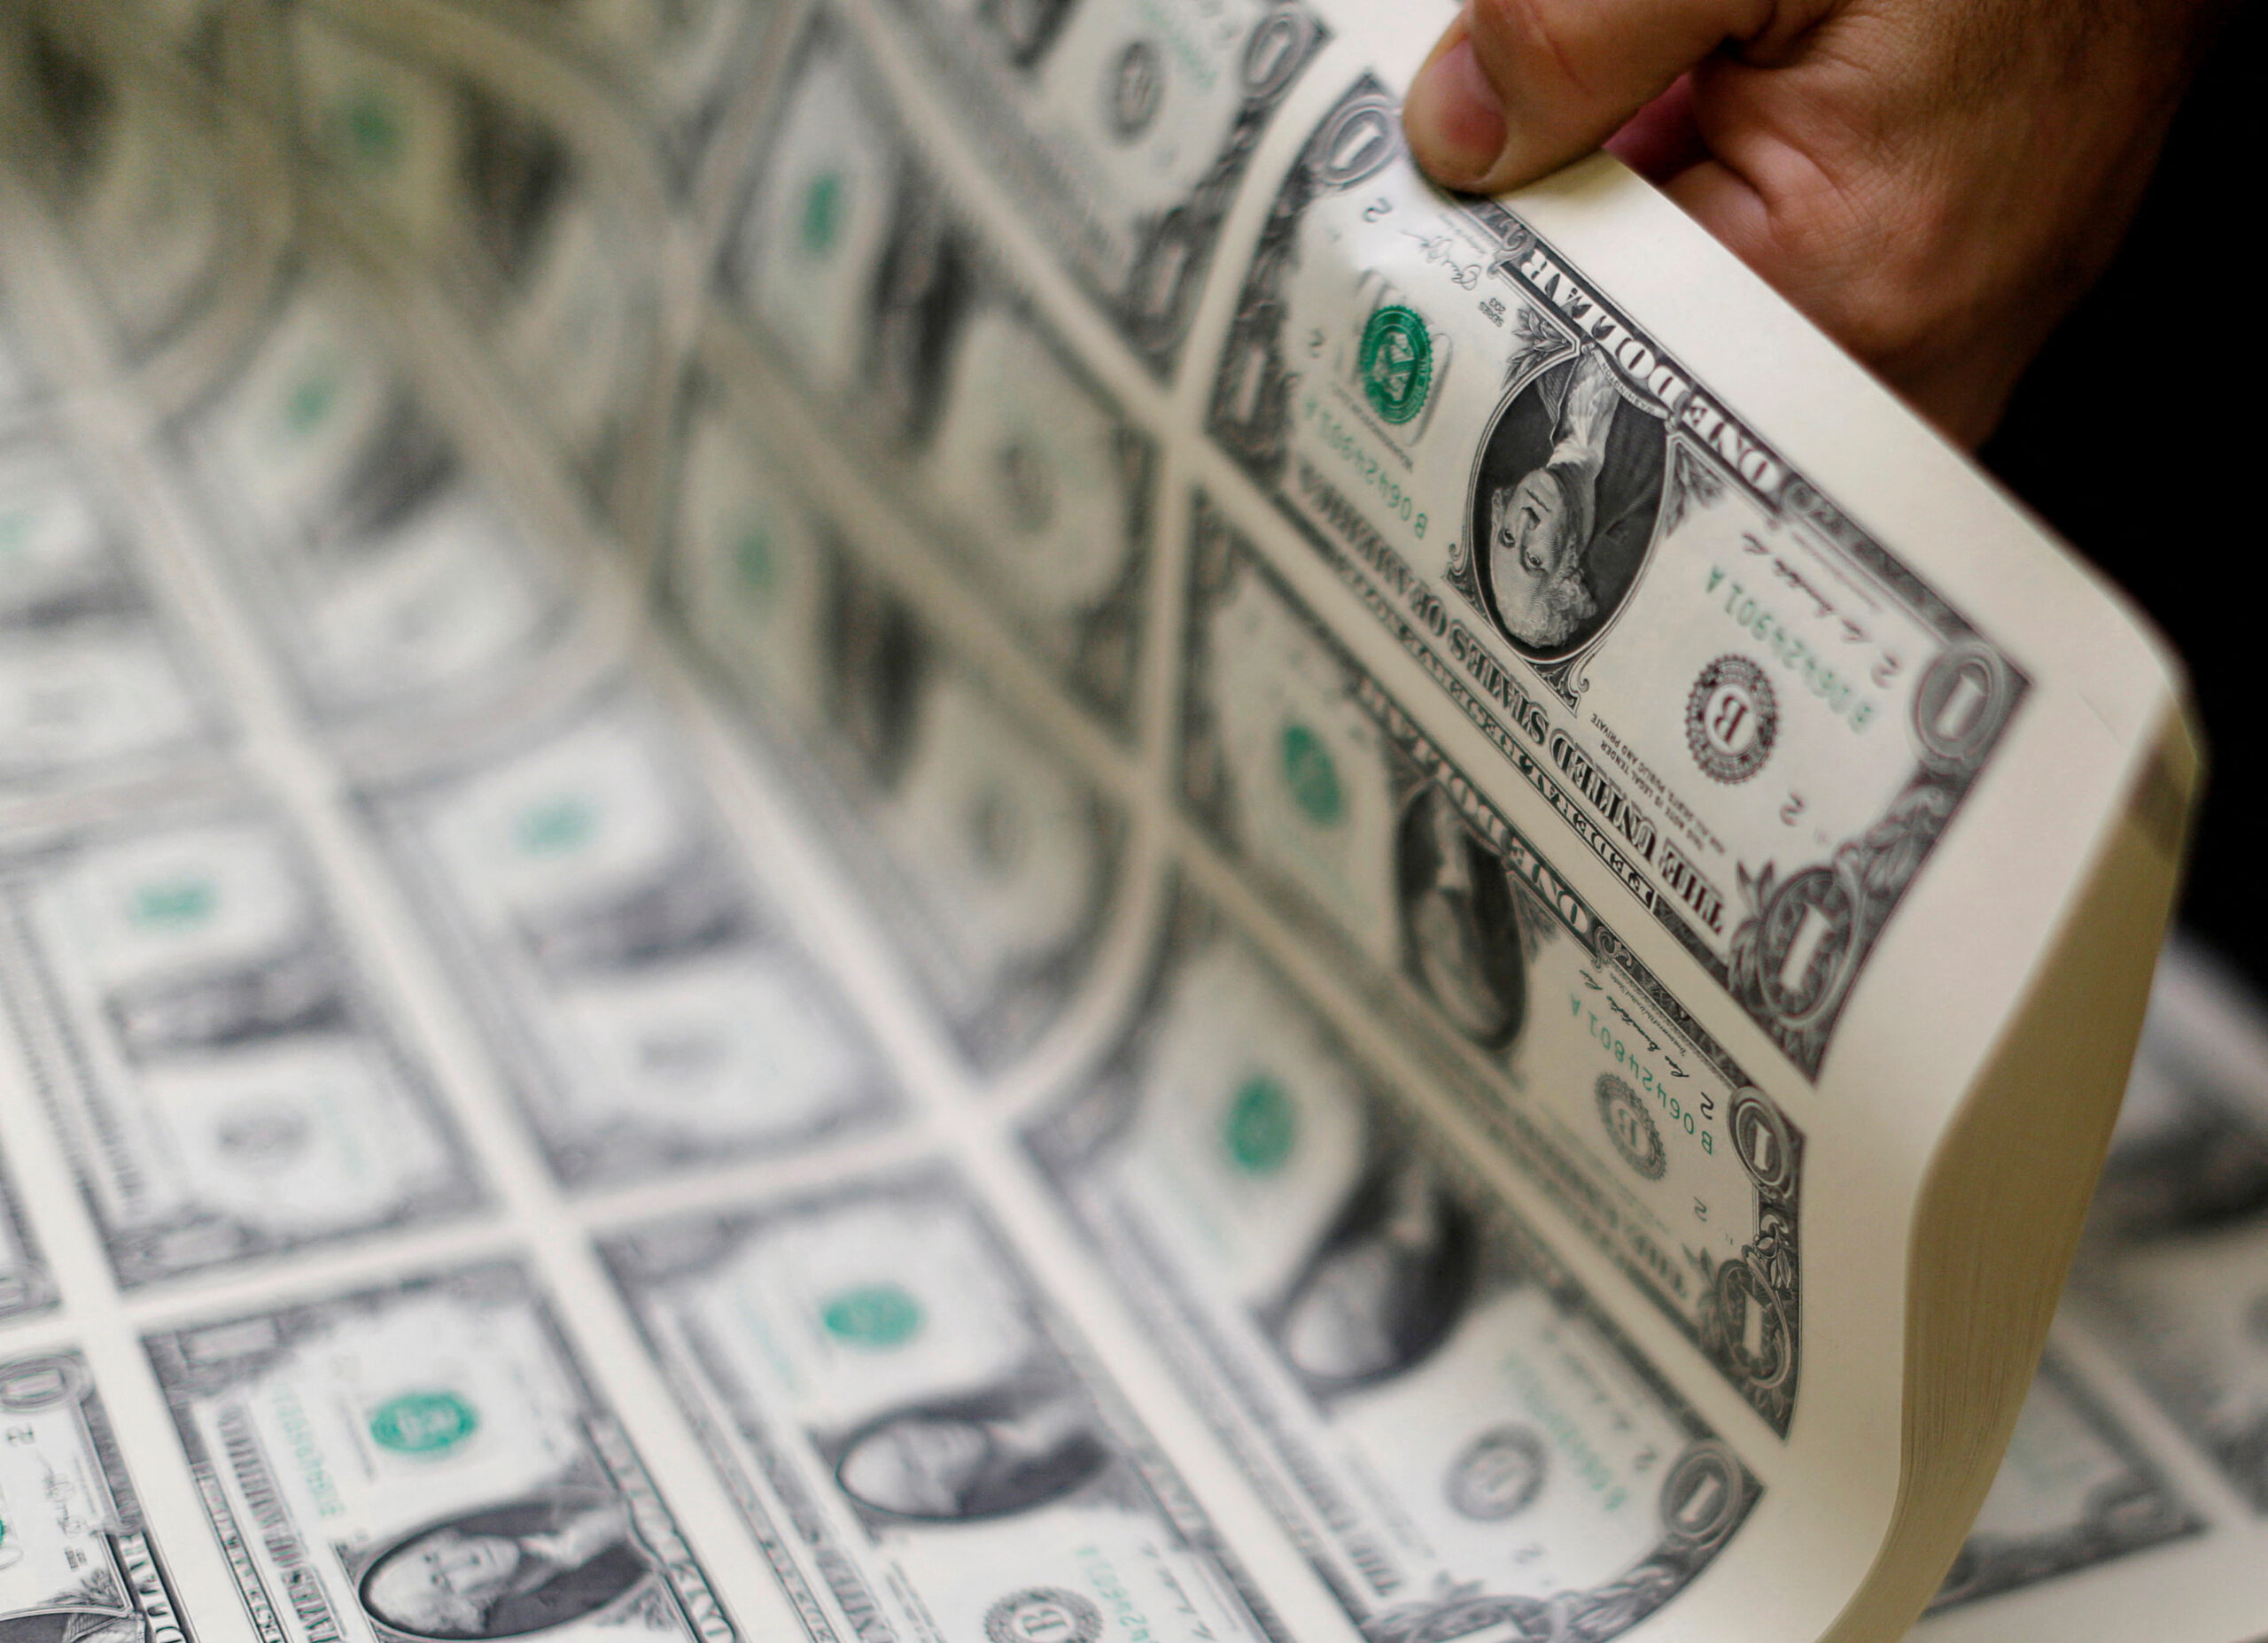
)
(1569, 1047)
(1432, 1404)
(653, 1010)
(425, 1460)
(78, 1563)
(917, 1442)
(229, 1085)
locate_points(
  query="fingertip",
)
(1453, 117)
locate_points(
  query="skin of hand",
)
(1933, 181)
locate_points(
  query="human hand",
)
(1934, 181)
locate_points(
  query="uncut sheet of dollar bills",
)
(777, 861)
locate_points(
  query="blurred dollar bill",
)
(137, 170)
(25, 1285)
(1598, 1078)
(96, 682)
(914, 1437)
(22, 384)
(994, 860)
(2191, 1151)
(2075, 1490)
(78, 1564)
(425, 1460)
(227, 1084)
(678, 62)
(476, 183)
(391, 575)
(2188, 1314)
(1125, 131)
(890, 311)
(2172, 1288)
(653, 1011)
(1423, 1394)
(2175, 1273)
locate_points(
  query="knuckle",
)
(1871, 261)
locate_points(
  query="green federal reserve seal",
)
(423, 1424)
(1396, 367)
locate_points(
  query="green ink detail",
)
(1311, 776)
(424, 1422)
(876, 1316)
(15, 531)
(1262, 1127)
(310, 403)
(558, 826)
(176, 903)
(824, 205)
(369, 130)
(1396, 364)
(753, 558)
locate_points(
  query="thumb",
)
(1519, 88)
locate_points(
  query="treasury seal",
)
(1396, 363)
(1043, 1615)
(1731, 719)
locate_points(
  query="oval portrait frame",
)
(1521, 420)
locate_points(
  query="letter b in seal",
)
(1732, 718)
(1043, 1615)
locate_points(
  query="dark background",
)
(2144, 447)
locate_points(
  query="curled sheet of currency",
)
(1145, 883)
(1759, 716)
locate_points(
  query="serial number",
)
(1692, 1117)
(1343, 442)
(1794, 653)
